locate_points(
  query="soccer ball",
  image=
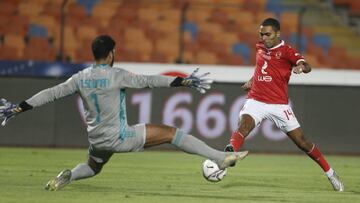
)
(211, 171)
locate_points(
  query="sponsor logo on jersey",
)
(264, 78)
(278, 55)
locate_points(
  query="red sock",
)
(237, 139)
(316, 155)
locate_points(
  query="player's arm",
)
(196, 81)
(298, 61)
(302, 67)
(9, 110)
(247, 86)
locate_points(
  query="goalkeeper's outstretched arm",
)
(9, 110)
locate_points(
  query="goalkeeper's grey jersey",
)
(102, 89)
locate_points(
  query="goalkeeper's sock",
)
(316, 155)
(81, 171)
(193, 145)
(237, 140)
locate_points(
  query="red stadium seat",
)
(15, 41)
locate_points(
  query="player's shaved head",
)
(101, 46)
(272, 22)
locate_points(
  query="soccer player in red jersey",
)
(268, 95)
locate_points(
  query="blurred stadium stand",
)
(214, 31)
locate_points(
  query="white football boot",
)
(336, 182)
(60, 181)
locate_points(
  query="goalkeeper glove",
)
(8, 110)
(198, 82)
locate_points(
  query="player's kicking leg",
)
(297, 136)
(97, 159)
(159, 134)
(246, 124)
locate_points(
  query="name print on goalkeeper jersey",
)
(94, 83)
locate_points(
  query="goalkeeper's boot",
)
(229, 148)
(60, 181)
(336, 182)
(231, 159)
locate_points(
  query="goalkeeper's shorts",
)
(133, 140)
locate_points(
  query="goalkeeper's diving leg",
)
(160, 134)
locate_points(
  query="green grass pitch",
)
(163, 176)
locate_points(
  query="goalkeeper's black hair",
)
(101, 46)
(271, 22)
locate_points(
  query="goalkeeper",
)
(102, 89)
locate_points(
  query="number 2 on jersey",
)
(95, 99)
(264, 67)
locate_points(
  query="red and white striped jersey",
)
(272, 73)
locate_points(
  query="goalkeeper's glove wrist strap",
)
(25, 106)
(177, 82)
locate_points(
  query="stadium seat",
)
(15, 41)
(316, 51)
(230, 59)
(167, 27)
(30, 8)
(212, 28)
(188, 57)
(289, 22)
(7, 53)
(84, 54)
(312, 60)
(198, 15)
(223, 43)
(88, 5)
(241, 17)
(71, 45)
(169, 47)
(337, 57)
(274, 6)
(38, 48)
(293, 40)
(204, 39)
(243, 50)
(205, 57)
(47, 22)
(355, 8)
(7, 8)
(192, 28)
(86, 32)
(254, 6)
(17, 25)
(104, 11)
(219, 16)
(52, 8)
(261, 16)
(75, 15)
(323, 41)
(170, 14)
(149, 14)
(37, 31)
